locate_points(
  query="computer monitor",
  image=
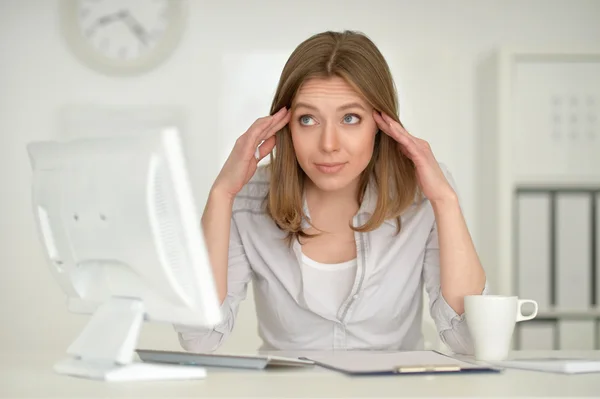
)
(118, 223)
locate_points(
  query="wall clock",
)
(122, 37)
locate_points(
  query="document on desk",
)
(220, 360)
(409, 362)
(553, 365)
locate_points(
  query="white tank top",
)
(326, 285)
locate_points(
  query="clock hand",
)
(105, 20)
(137, 28)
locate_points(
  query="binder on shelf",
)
(533, 246)
(597, 253)
(573, 251)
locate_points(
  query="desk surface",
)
(30, 375)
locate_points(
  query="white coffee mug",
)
(491, 321)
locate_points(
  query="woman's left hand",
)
(431, 179)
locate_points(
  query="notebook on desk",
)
(553, 365)
(257, 362)
(411, 362)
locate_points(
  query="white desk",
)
(31, 375)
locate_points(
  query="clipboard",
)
(370, 363)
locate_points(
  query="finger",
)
(396, 125)
(276, 123)
(404, 151)
(266, 147)
(261, 124)
(250, 140)
(420, 144)
(397, 128)
(400, 130)
(277, 126)
(407, 144)
(273, 129)
(385, 127)
(273, 119)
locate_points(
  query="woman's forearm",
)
(461, 272)
(216, 222)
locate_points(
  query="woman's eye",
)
(306, 120)
(351, 119)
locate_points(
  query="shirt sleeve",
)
(452, 327)
(202, 340)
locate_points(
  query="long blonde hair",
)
(355, 58)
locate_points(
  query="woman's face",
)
(333, 132)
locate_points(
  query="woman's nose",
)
(330, 140)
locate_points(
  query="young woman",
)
(349, 221)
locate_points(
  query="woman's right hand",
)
(242, 163)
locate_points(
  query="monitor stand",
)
(105, 349)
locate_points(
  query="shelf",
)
(570, 314)
(557, 182)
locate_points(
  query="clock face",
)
(123, 29)
(122, 36)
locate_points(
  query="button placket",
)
(361, 253)
(339, 336)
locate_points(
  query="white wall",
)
(435, 49)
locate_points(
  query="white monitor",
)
(117, 220)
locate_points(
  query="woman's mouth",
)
(330, 167)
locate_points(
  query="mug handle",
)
(520, 316)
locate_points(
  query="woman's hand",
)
(242, 162)
(431, 179)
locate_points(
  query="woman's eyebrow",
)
(305, 105)
(351, 105)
